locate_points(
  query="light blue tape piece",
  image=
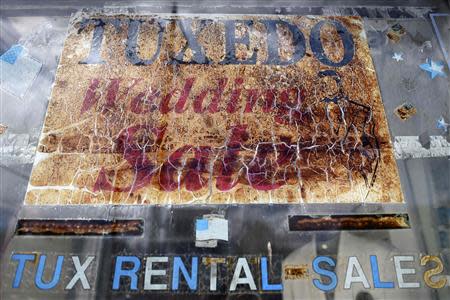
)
(434, 68)
(441, 124)
(11, 55)
(201, 224)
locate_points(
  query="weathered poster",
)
(214, 110)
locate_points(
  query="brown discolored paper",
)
(405, 111)
(195, 114)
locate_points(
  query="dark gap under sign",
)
(79, 227)
(348, 222)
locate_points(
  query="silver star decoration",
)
(397, 56)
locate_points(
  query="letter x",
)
(199, 55)
(80, 275)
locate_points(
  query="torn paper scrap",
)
(18, 70)
(209, 230)
(212, 228)
(396, 32)
(405, 111)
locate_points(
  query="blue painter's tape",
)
(202, 224)
(11, 55)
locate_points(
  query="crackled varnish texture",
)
(221, 119)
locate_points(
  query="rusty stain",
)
(395, 32)
(208, 260)
(348, 222)
(254, 260)
(293, 272)
(405, 111)
(214, 133)
(3, 129)
(79, 227)
(35, 255)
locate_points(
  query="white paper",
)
(217, 230)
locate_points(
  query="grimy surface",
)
(214, 110)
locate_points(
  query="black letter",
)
(231, 40)
(347, 41)
(273, 44)
(97, 38)
(199, 55)
(131, 45)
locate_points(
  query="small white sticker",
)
(209, 229)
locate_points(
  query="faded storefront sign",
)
(217, 110)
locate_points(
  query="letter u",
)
(38, 280)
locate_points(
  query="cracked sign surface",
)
(197, 110)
